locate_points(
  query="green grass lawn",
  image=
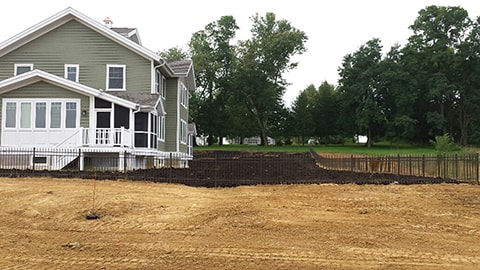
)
(350, 148)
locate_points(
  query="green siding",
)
(171, 122)
(74, 43)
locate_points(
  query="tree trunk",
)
(369, 138)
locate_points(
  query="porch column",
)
(121, 161)
(81, 158)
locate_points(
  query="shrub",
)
(444, 143)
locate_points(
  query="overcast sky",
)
(334, 28)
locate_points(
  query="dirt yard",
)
(145, 225)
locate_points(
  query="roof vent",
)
(108, 22)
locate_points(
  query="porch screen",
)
(141, 129)
(122, 117)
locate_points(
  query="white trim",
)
(183, 126)
(124, 83)
(16, 66)
(161, 128)
(65, 16)
(48, 102)
(36, 75)
(177, 137)
(77, 66)
(164, 88)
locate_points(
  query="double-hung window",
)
(161, 125)
(72, 72)
(164, 87)
(116, 77)
(157, 81)
(183, 132)
(22, 68)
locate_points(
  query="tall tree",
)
(175, 53)
(438, 39)
(326, 111)
(262, 60)
(303, 111)
(212, 54)
(360, 87)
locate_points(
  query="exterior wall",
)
(184, 117)
(160, 144)
(74, 43)
(171, 119)
(43, 90)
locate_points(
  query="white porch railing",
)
(107, 137)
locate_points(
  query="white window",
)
(157, 81)
(161, 125)
(72, 72)
(56, 115)
(164, 87)
(41, 114)
(25, 115)
(22, 68)
(11, 115)
(71, 115)
(184, 95)
(116, 79)
(183, 132)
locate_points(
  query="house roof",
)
(183, 68)
(36, 75)
(130, 33)
(65, 16)
(145, 100)
(180, 66)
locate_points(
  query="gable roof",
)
(36, 75)
(65, 16)
(130, 33)
(183, 68)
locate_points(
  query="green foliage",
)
(175, 53)
(444, 144)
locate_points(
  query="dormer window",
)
(116, 77)
(22, 68)
(71, 72)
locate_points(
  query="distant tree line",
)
(428, 87)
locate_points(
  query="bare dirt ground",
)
(145, 225)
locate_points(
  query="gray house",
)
(72, 84)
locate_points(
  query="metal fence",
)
(233, 168)
(463, 167)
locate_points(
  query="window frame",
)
(16, 66)
(183, 132)
(164, 87)
(161, 126)
(77, 73)
(158, 77)
(33, 113)
(124, 83)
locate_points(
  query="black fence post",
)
(398, 164)
(476, 168)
